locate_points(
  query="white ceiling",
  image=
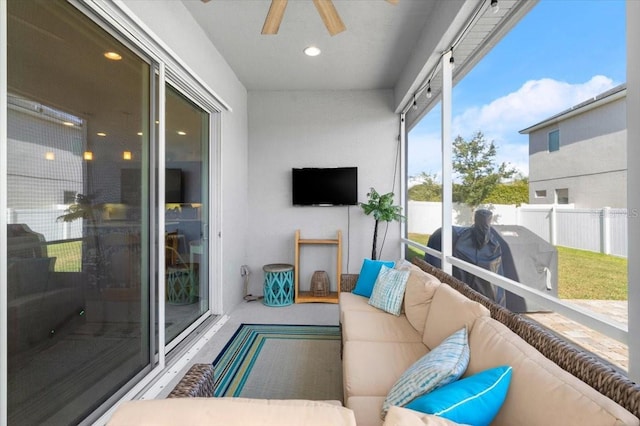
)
(371, 54)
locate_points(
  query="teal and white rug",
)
(281, 362)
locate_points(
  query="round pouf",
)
(278, 284)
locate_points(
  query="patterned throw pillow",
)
(443, 365)
(388, 290)
(473, 400)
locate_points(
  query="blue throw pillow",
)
(474, 400)
(368, 275)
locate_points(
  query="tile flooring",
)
(610, 349)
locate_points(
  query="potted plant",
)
(383, 209)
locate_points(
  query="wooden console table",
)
(307, 296)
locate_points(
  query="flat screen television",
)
(173, 186)
(336, 186)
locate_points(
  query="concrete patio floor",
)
(607, 348)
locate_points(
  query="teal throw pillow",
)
(443, 365)
(368, 275)
(388, 290)
(474, 400)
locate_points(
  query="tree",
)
(382, 208)
(474, 161)
(428, 190)
(516, 192)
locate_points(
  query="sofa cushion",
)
(27, 276)
(366, 409)
(378, 327)
(229, 412)
(371, 368)
(353, 302)
(418, 296)
(450, 311)
(367, 413)
(540, 391)
(388, 290)
(368, 274)
(473, 400)
(444, 364)
(400, 416)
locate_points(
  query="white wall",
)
(290, 129)
(190, 43)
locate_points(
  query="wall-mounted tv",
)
(336, 186)
(173, 186)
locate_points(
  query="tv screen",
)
(173, 186)
(336, 186)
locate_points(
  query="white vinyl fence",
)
(600, 230)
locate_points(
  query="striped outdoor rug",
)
(281, 362)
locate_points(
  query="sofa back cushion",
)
(450, 311)
(418, 295)
(230, 412)
(540, 391)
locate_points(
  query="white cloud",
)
(502, 119)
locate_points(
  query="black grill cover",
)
(512, 251)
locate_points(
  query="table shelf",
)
(307, 296)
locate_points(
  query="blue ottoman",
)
(278, 284)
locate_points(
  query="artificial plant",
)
(383, 209)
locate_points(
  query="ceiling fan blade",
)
(274, 17)
(394, 2)
(330, 16)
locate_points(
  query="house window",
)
(554, 140)
(562, 196)
(542, 193)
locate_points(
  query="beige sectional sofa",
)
(378, 347)
(552, 382)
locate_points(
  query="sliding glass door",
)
(186, 213)
(85, 223)
(78, 275)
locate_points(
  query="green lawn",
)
(581, 274)
(68, 256)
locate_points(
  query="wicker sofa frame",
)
(199, 380)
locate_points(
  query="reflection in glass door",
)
(77, 236)
(186, 213)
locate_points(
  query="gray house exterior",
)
(579, 156)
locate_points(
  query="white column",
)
(633, 179)
(447, 168)
(403, 182)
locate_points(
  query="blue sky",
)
(560, 54)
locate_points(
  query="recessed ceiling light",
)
(101, 134)
(312, 51)
(139, 133)
(113, 56)
(126, 155)
(50, 156)
(181, 132)
(67, 123)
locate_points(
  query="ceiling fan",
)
(326, 9)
